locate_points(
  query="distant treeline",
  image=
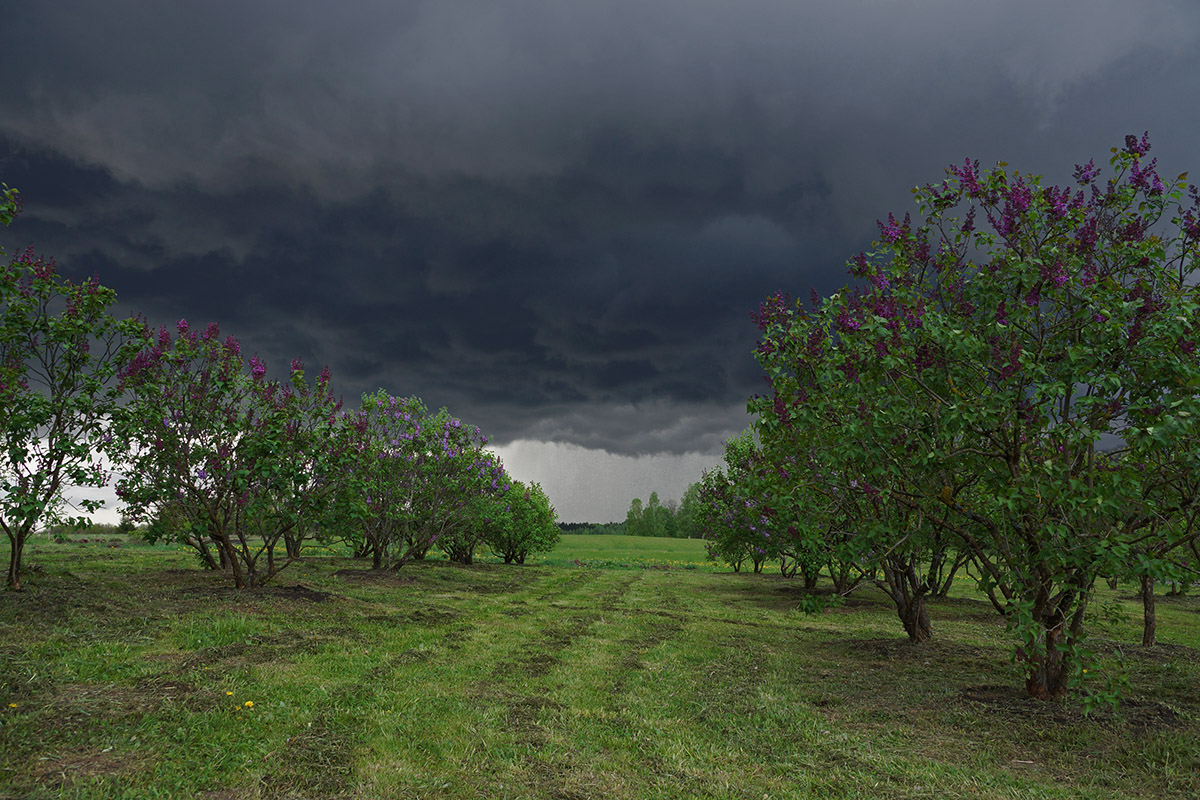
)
(592, 528)
(676, 520)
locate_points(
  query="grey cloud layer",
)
(553, 217)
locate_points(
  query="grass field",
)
(630, 551)
(127, 672)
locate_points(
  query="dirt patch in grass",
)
(940, 651)
(636, 647)
(81, 704)
(1137, 716)
(517, 610)
(538, 665)
(611, 598)
(556, 775)
(560, 637)
(76, 712)
(494, 587)
(474, 579)
(42, 606)
(201, 595)
(965, 608)
(181, 574)
(577, 579)
(1163, 652)
(537, 658)
(861, 600)
(62, 770)
(398, 662)
(318, 762)
(418, 616)
(281, 647)
(157, 691)
(241, 652)
(375, 577)
(297, 592)
(20, 676)
(1148, 715)
(522, 717)
(769, 592)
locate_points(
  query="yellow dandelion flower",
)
(12, 705)
(229, 694)
(249, 704)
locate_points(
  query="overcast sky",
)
(554, 218)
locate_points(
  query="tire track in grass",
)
(537, 720)
(321, 759)
(538, 656)
(652, 619)
(627, 617)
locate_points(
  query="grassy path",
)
(132, 674)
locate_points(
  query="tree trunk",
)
(198, 544)
(1047, 678)
(907, 591)
(810, 578)
(915, 618)
(843, 580)
(910, 608)
(1149, 624)
(229, 559)
(292, 545)
(1048, 672)
(17, 549)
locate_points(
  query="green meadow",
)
(618, 668)
(630, 551)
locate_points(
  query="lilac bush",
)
(420, 477)
(526, 525)
(242, 460)
(59, 352)
(1014, 369)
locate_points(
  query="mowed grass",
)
(608, 551)
(128, 672)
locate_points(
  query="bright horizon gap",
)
(593, 485)
(584, 484)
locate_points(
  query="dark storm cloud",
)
(554, 218)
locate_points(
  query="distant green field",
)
(630, 551)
